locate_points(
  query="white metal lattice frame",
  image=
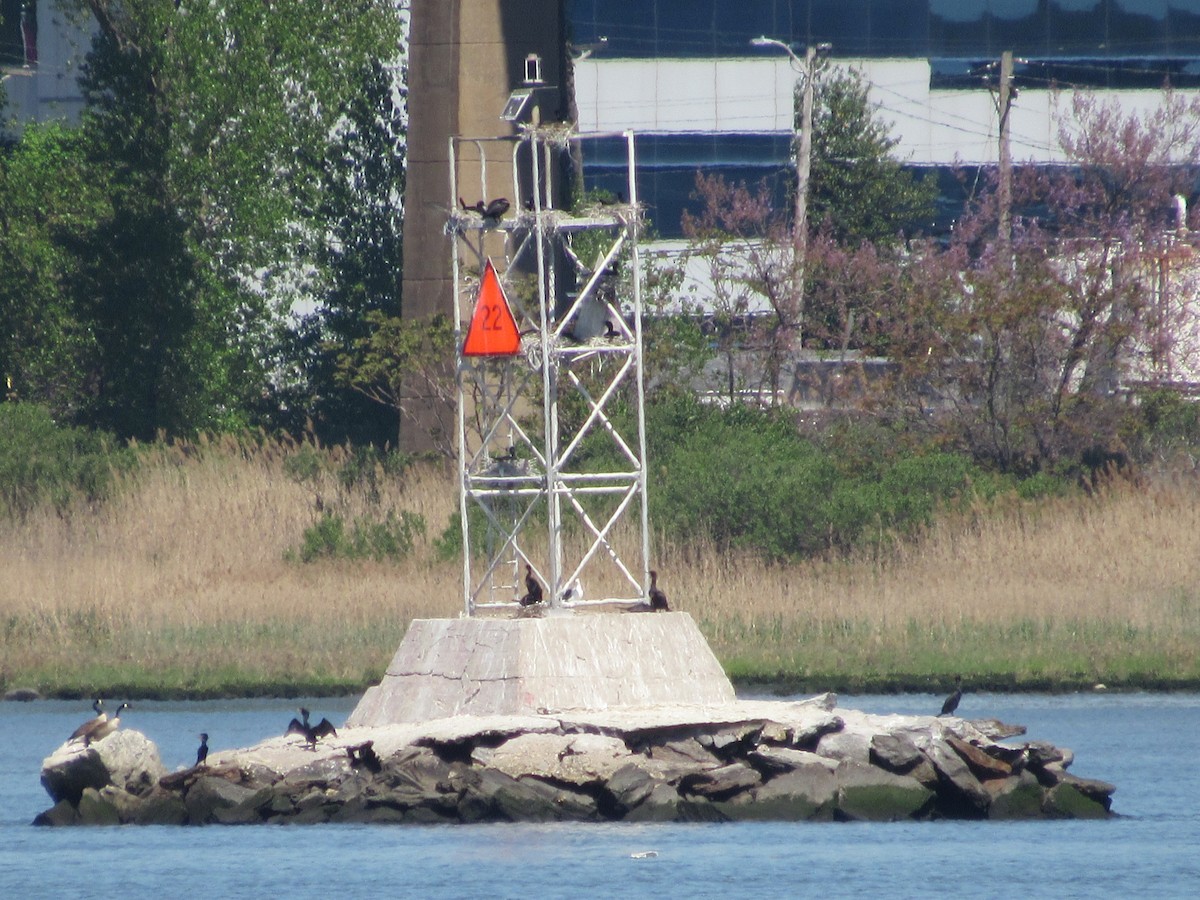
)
(516, 471)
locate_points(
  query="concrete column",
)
(465, 58)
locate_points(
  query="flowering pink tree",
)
(1020, 344)
(744, 249)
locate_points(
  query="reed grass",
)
(179, 586)
(1066, 592)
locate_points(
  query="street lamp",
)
(803, 161)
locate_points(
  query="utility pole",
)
(803, 167)
(807, 68)
(1004, 105)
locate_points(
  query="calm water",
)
(1142, 743)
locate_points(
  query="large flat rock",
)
(558, 663)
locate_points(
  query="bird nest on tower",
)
(558, 133)
(506, 466)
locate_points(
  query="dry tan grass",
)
(181, 584)
(185, 571)
(1128, 557)
(1093, 588)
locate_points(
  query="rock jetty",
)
(808, 760)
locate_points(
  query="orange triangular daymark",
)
(493, 330)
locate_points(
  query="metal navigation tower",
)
(551, 424)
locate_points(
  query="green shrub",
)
(746, 478)
(360, 467)
(449, 544)
(305, 464)
(44, 462)
(391, 539)
(1163, 423)
(367, 465)
(1040, 485)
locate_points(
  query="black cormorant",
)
(493, 210)
(310, 733)
(533, 590)
(202, 750)
(364, 755)
(296, 726)
(951, 702)
(496, 208)
(658, 600)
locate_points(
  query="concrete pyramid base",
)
(524, 666)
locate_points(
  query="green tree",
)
(49, 195)
(862, 201)
(214, 123)
(858, 191)
(362, 204)
(402, 365)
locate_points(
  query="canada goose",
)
(104, 729)
(202, 751)
(951, 702)
(532, 587)
(311, 733)
(85, 730)
(658, 600)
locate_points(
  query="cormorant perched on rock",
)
(85, 730)
(658, 600)
(364, 755)
(202, 751)
(533, 590)
(104, 729)
(296, 726)
(310, 733)
(951, 702)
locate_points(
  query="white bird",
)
(574, 591)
